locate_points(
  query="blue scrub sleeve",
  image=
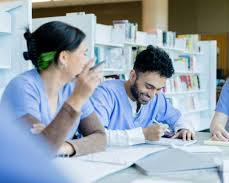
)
(103, 104)
(21, 98)
(167, 113)
(223, 102)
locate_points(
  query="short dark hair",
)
(54, 37)
(154, 59)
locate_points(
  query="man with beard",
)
(136, 110)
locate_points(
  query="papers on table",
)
(202, 149)
(121, 156)
(171, 142)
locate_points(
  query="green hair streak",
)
(45, 59)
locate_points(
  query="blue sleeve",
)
(103, 104)
(223, 102)
(87, 110)
(21, 98)
(167, 113)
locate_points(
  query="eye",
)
(149, 87)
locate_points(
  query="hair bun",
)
(26, 56)
(31, 54)
(28, 35)
(150, 47)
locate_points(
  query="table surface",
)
(199, 176)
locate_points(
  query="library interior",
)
(114, 90)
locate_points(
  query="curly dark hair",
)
(154, 59)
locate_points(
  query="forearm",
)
(57, 130)
(219, 120)
(125, 137)
(90, 144)
(55, 133)
(94, 136)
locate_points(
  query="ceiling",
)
(58, 3)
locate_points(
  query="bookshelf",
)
(195, 68)
(15, 16)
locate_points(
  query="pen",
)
(167, 130)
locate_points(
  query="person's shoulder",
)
(226, 83)
(24, 79)
(112, 84)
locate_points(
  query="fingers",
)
(225, 134)
(220, 137)
(184, 134)
(189, 135)
(37, 128)
(87, 67)
(193, 136)
(176, 135)
(214, 137)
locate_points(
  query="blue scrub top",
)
(111, 103)
(26, 94)
(223, 102)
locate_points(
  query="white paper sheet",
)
(90, 168)
(202, 149)
(171, 142)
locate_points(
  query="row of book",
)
(114, 57)
(185, 63)
(191, 42)
(126, 28)
(182, 83)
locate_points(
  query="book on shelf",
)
(191, 42)
(182, 83)
(185, 62)
(114, 57)
(168, 38)
(129, 29)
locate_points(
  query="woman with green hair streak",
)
(50, 99)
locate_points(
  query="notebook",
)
(174, 160)
(171, 142)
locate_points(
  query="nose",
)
(152, 93)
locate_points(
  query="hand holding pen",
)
(168, 133)
(155, 131)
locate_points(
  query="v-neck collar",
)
(42, 85)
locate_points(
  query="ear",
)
(63, 58)
(133, 76)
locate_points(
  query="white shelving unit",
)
(5, 19)
(99, 35)
(15, 16)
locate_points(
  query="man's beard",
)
(137, 95)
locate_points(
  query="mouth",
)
(145, 98)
